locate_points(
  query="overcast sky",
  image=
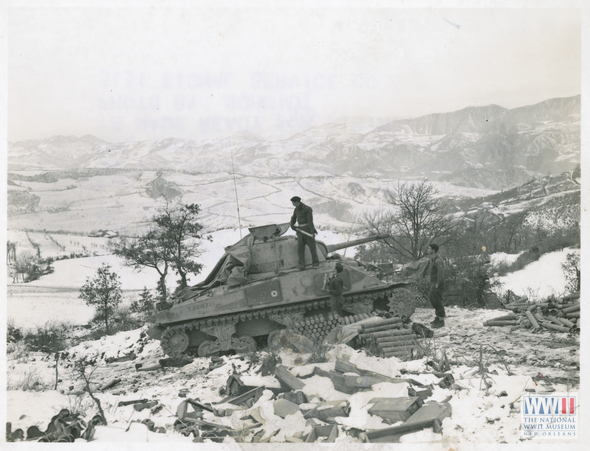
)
(153, 72)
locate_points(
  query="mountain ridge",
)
(511, 143)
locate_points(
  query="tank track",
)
(362, 303)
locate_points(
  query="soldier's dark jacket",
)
(303, 215)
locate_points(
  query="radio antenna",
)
(231, 153)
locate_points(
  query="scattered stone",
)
(145, 405)
(133, 401)
(297, 397)
(395, 409)
(285, 377)
(431, 411)
(326, 434)
(283, 407)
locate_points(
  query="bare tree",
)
(414, 218)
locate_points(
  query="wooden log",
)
(380, 328)
(548, 325)
(532, 319)
(110, 384)
(397, 348)
(134, 401)
(385, 341)
(408, 354)
(511, 316)
(572, 315)
(573, 308)
(389, 333)
(500, 323)
(571, 297)
(150, 368)
(554, 320)
(566, 322)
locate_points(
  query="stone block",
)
(395, 409)
(283, 407)
(326, 434)
(285, 377)
(431, 411)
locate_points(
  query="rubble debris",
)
(110, 384)
(422, 331)
(175, 362)
(284, 407)
(554, 314)
(145, 405)
(422, 394)
(124, 358)
(285, 377)
(248, 399)
(327, 410)
(298, 397)
(431, 411)
(324, 434)
(148, 366)
(132, 401)
(393, 434)
(395, 409)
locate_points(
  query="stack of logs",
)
(558, 314)
(388, 339)
(317, 327)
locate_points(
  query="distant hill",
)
(485, 147)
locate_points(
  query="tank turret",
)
(256, 289)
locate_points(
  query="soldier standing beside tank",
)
(303, 215)
(335, 287)
(436, 273)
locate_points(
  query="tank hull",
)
(257, 289)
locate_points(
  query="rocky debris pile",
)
(553, 314)
(330, 393)
(65, 427)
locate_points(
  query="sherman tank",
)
(257, 289)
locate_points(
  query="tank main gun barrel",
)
(338, 246)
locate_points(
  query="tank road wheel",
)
(208, 348)
(243, 344)
(175, 342)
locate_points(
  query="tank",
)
(256, 290)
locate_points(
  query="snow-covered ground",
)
(538, 279)
(479, 416)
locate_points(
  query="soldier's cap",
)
(339, 267)
(296, 199)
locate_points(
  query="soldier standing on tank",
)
(303, 215)
(335, 287)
